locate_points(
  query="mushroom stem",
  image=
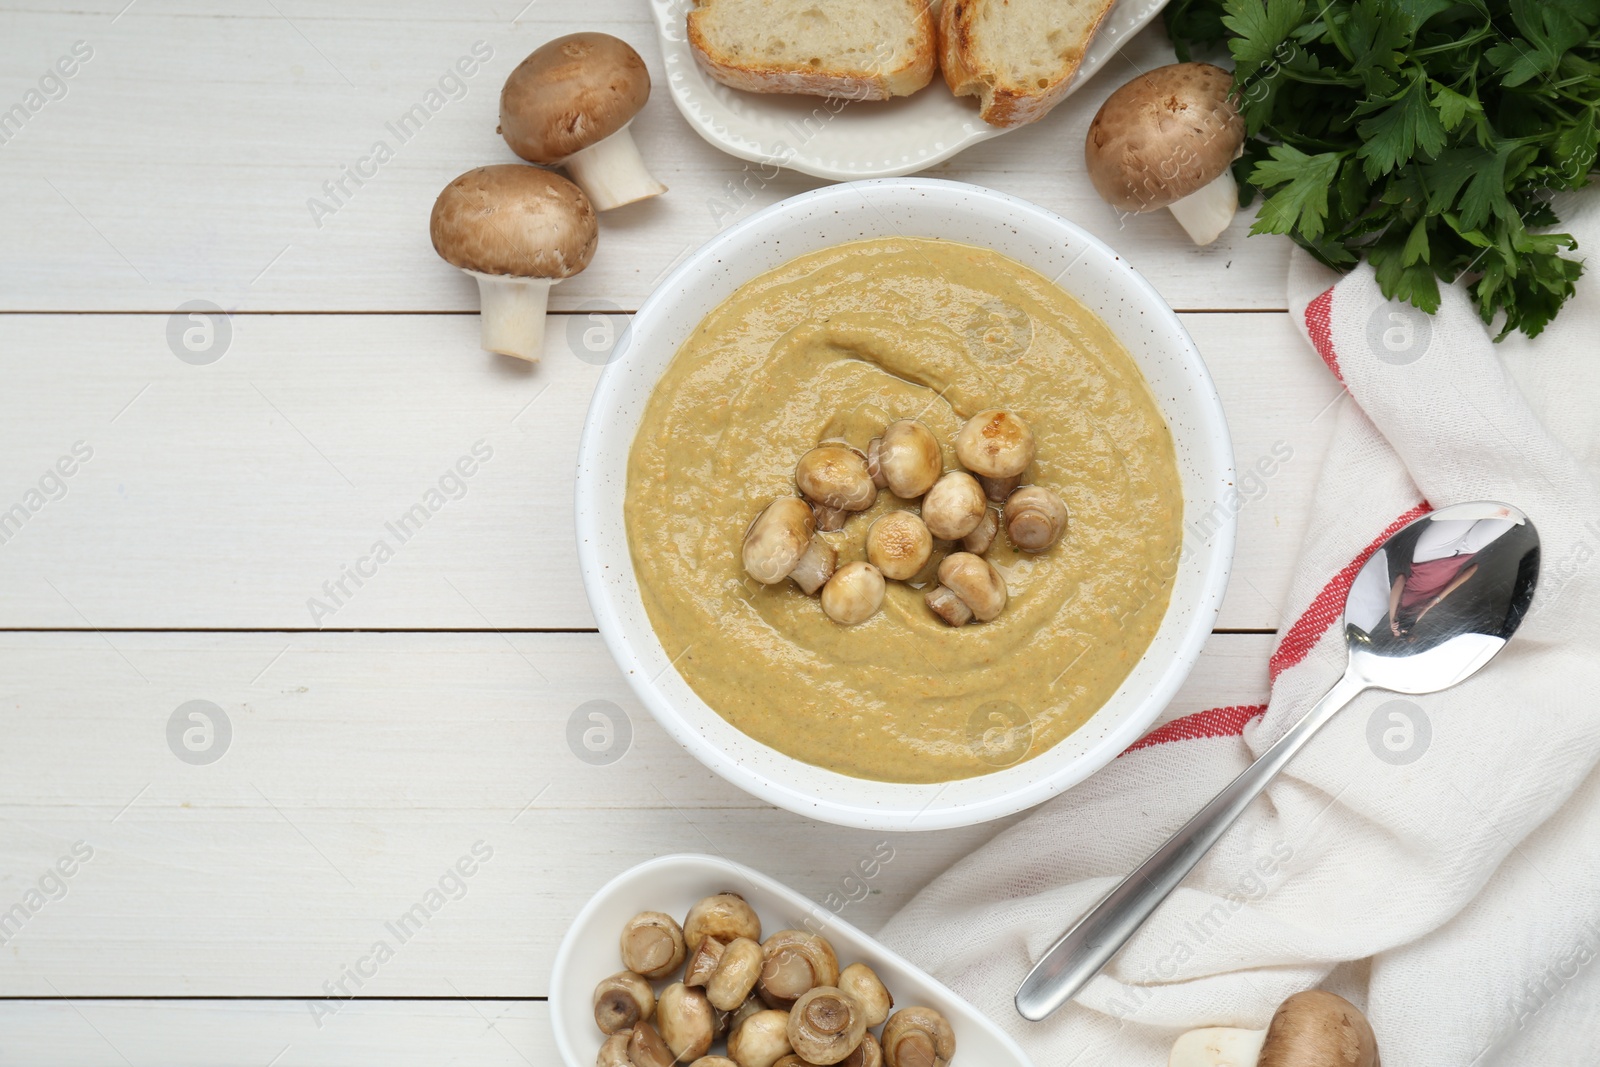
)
(511, 311)
(612, 172)
(1206, 212)
(1218, 1046)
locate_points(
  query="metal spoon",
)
(1432, 605)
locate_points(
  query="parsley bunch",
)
(1424, 136)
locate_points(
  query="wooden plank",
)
(355, 770)
(227, 495)
(187, 155)
(203, 1033)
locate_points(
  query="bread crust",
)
(999, 105)
(854, 85)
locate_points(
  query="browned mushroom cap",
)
(981, 539)
(854, 593)
(517, 230)
(761, 1040)
(702, 961)
(684, 1020)
(614, 1050)
(995, 444)
(724, 916)
(826, 1025)
(647, 1049)
(736, 974)
(899, 544)
(834, 477)
(652, 944)
(863, 983)
(713, 1061)
(1035, 518)
(975, 583)
(918, 1037)
(1165, 137)
(954, 506)
(1319, 1028)
(794, 961)
(570, 102)
(907, 459)
(622, 1000)
(778, 539)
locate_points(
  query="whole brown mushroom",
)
(1311, 1029)
(954, 506)
(1035, 518)
(863, 983)
(794, 961)
(652, 944)
(834, 478)
(736, 974)
(725, 916)
(570, 103)
(969, 588)
(778, 539)
(621, 1001)
(898, 544)
(1168, 139)
(918, 1037)
(854, 593)
(684, 1020)
(996, 446)
(825, 1025)
(518, 230)
(647, 1049)
(906, 460)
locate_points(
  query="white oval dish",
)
(922, 207)
(876, 139)
(672, 884)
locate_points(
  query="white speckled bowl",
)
(922, 207)
(672, 884)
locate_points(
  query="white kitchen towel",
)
(1435, 859)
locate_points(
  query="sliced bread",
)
(1016, 56)
(860, 49)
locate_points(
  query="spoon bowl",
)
(1437, 601)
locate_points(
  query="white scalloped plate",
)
(862, 139)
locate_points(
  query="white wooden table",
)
(368, 749)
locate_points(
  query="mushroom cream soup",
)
(833, 346)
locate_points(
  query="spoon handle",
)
(1090, 944)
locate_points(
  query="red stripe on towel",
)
(1319, 324)
(1328, 605)
(1218, 722)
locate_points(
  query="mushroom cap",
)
(954, 506)
(918, 1037)
(795, 960)
(995, 444)
(570, 93)
(910, 458)
(976, 582)
(736, 975)
(621, 1001)
(853, 595)
(614, 1050)
(826, 1025)
(899, 544)
(724, 916)
(1319, 1029)
(863, 983)
(1035, 518)
(1164, 135)
(836, 476)
(647, 1049)
(773, 546)
(685, 1022)
(761, 1040)
(513, 220)
(652, 944)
